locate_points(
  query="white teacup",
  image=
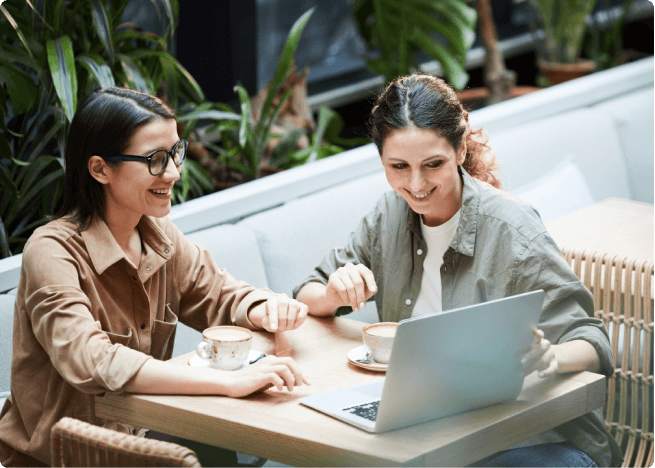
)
(225, 347)
(378, 337)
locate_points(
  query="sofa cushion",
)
(235, 249)
(557, 193)
(528, 152)
(633, 117)
(294, 237)
(6, 334)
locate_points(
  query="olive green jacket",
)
(501, 248)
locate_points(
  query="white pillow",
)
(558, 192)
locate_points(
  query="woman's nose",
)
(172, 172)
(417, 182)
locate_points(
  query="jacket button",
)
(419, 252)
(408, 301)
(166, 250)
(148, 268)
(143, 326)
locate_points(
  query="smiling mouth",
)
(421, 195)
(160, 191)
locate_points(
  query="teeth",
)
(420, 195)
(161, 191)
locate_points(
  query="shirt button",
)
(419, 252)
(408, 301)
(134, 277)
(148, 268)
(166, 250)
(143, 326)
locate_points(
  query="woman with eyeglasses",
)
(104, 284)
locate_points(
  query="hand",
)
(540, 357)
(266, 373)
(351, 285)
(283, 313)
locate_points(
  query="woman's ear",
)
(461, 153)
(98, 169)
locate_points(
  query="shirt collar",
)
(104, 251)
(464, 240)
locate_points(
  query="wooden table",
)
(274, 425)
(614, 225)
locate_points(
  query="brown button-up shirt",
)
(86, 320)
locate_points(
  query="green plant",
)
(245, 137)
(397, 30)
(607, 43)
(52, 53)
(564, 24)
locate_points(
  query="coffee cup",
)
(378, 338)
(225, 347)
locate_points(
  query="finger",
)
(282, 311)
(271, 308)
(550, 369)
(285, 373)
(294, 368)
(303, 310)
(359, 286)
(349, 289)
(337, 285)
(535, 353)
(275, 380)
(538, 335)
(369, 279)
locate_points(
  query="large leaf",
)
(18, 30)
(96, 65)
(134, 77)
(61, 60)
(284, 63)
(21, 88)
(102, 27)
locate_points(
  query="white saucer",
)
(197, 361)
(360, 353)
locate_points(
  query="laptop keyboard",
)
(365, 410)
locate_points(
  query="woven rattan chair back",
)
(623, 299)
(77, 443)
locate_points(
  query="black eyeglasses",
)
(157, 160)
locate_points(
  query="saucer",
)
(197, 361)
(360, 353)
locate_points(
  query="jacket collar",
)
(104, 251)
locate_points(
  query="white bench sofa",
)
(561, 148)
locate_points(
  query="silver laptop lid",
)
(462, 358)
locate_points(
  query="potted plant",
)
(564, 23)
(396, 31)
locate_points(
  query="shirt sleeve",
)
(209, 295)
(59, 313)
(568, 310)
(356, 251)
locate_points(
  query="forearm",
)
(576, 355)
(159, 377)
(314, 295)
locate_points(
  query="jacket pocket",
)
(163, 334)
(125, 340)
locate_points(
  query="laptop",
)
(443, 364)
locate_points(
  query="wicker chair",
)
(77, 443)
(622, 291)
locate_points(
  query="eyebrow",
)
(436, 156)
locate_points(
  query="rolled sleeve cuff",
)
(119, 367)
(598, 340)
(252, 299)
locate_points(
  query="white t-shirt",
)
(437, 238)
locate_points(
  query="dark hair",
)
(103, 125)
(429, 103)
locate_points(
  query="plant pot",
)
(556, 72)
(476, 98)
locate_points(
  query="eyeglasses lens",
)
(158, 162)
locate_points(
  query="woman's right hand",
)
(351, 285)
(266, 373)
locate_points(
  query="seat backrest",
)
(623, 299)
(77, 443)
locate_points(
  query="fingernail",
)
(274, 326)
(541, 374)
(362, 305)
(524, 361)
(374, 288)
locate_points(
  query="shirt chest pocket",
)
(163, 334)
(126, 339)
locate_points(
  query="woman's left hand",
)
(279, 313)
(540, 357)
